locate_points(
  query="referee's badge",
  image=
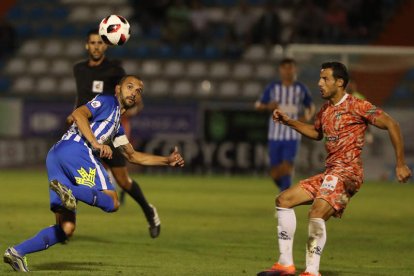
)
(97, 86)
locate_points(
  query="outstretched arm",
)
(81, 117)
(385, 121)
(305, 129)
(174, 159)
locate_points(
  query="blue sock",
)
(93, 197)
(284, 182)
(43, 240)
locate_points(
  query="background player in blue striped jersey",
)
(75, 171)
(294, 99)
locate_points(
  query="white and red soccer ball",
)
(114, 30)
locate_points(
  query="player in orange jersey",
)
(341, 123)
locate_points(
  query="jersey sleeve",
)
(307, 99)
(366, 110)
(98, 105)
(120, 138)
(265, 98)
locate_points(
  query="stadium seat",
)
(164, 51)
(131, 66)
(187, 51)
(15, 66)
(219, 70)
(74, 48)
(52, 48)
(276, 53)
(38, 66)
(46, 85)
(173, 69)
(182, 88)
(252, 90)
(255, 53)
(228, 89)
(125, 10)
(99, 13)
(196, 69)
(30, 48)
(150, 68)
(242, 71)
(80, 14)
(4, 84)
(61, 67)
(67, 85)
(265, 71)
(157, 88)
(15, 14)
(23, 84)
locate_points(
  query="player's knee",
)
(68, 228)
(282, 201)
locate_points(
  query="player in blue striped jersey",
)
(75, 171)
(294, 99)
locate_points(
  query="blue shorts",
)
(280, 151)
(73, 163)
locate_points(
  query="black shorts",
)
(118, 160)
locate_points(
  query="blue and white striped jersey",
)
(105, 122)
(292, 100)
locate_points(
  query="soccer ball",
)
(114, 30)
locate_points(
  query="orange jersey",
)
(343, 126)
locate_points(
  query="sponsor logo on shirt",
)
(331, 138)
(329, 182)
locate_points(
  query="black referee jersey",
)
(95, 80)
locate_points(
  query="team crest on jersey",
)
(96, 104)
(87, 178)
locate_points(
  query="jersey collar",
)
(342, 100)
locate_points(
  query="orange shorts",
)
(336, 190)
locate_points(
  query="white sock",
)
(286, 228)
(316, 242)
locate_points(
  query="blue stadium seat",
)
(211, 52)
(15, 14)
(37, 13)
(24, 30)
(164, 51)
(67, 30)
(117, 52)
(409, 75)
(141, 51)
(45, 30)
(4, 84)
(187, 51)
(59, 13)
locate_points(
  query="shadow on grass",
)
(84, 266)
(90, 239)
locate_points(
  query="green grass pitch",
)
(211, 225)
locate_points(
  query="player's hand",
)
(175, 159)
(403, 173)
(105, 151)
(280, 116)
(272, 106)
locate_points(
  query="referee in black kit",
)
(98, 75)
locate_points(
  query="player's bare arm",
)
(141, 158)
(305, 129)
(385, 121)
(308, 113)
(266, 107)
(80, 117)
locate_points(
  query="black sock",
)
(136, 193)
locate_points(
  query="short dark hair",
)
(94, 31)
(339, 71)
(127, 76)
(287, 61)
